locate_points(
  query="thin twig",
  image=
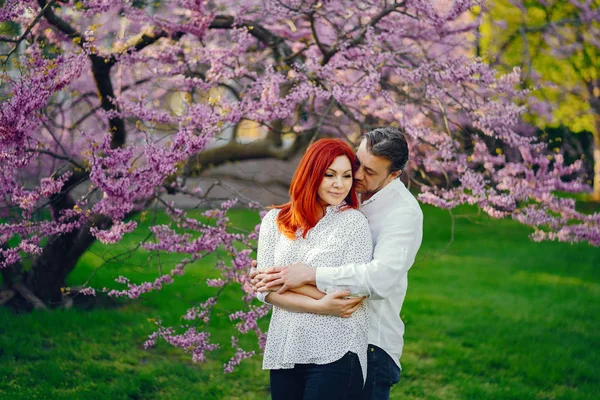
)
(452, 228)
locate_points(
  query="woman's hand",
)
(338, 305)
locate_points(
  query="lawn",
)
(493, 316)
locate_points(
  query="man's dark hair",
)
(388, 143)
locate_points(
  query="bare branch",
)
(29, 296)
(452, 229)
(234, 151)
(317, 129)
(8, 40)
(313, 29)
(54, 155)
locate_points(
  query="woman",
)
(315, 356)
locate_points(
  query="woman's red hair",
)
(304, 211)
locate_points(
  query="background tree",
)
(109, 105)
(556, 45)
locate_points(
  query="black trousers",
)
(382, 374)
(341, 379)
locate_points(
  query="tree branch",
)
(385, 12)
(60, 23)
(234, 151)
(8, 40)
(30, 27)
(29, 296)
(280, 49)
(54, 155)
(313, 29)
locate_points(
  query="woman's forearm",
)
(310, 291)
(306, 290)
(295, 302)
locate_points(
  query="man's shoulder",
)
(404, 203)
(400, 200)
(408, 204)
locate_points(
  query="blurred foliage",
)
(558, 69)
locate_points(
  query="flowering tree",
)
(90, 130)
(557, 47)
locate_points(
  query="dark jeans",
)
(341, 379)
(382, 374)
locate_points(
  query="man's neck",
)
(366, 196)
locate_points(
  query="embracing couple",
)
(333, 262)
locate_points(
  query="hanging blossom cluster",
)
(20, 121)
(144, 100)
(202, 237)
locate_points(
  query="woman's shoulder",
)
(352, 215)
(271, 215)
(272, 212)
(268, 224)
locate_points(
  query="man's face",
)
(373, 172)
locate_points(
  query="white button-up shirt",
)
(396, 223)
(341, 236)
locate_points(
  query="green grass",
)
(495, 316)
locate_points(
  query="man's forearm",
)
(290, 277)
(295, 302)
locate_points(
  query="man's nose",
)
(359, 174)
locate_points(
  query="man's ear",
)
(397, 173)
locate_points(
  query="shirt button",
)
(372, 349)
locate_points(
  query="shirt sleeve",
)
(358, 247)
(395, 250)
(267, 240)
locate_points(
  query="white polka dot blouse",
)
(340, 237)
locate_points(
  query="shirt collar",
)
(388, 189)
(330, 208)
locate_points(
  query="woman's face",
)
(336, 183)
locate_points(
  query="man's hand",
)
(335, 304)
(254, 279)
(289, 277)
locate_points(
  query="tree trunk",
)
(49, 271)
(41, 286)
(11, 274)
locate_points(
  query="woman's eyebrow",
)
(331, 169)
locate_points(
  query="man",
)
(396, 223)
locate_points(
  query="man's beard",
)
(364, 192)
(360, 188)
